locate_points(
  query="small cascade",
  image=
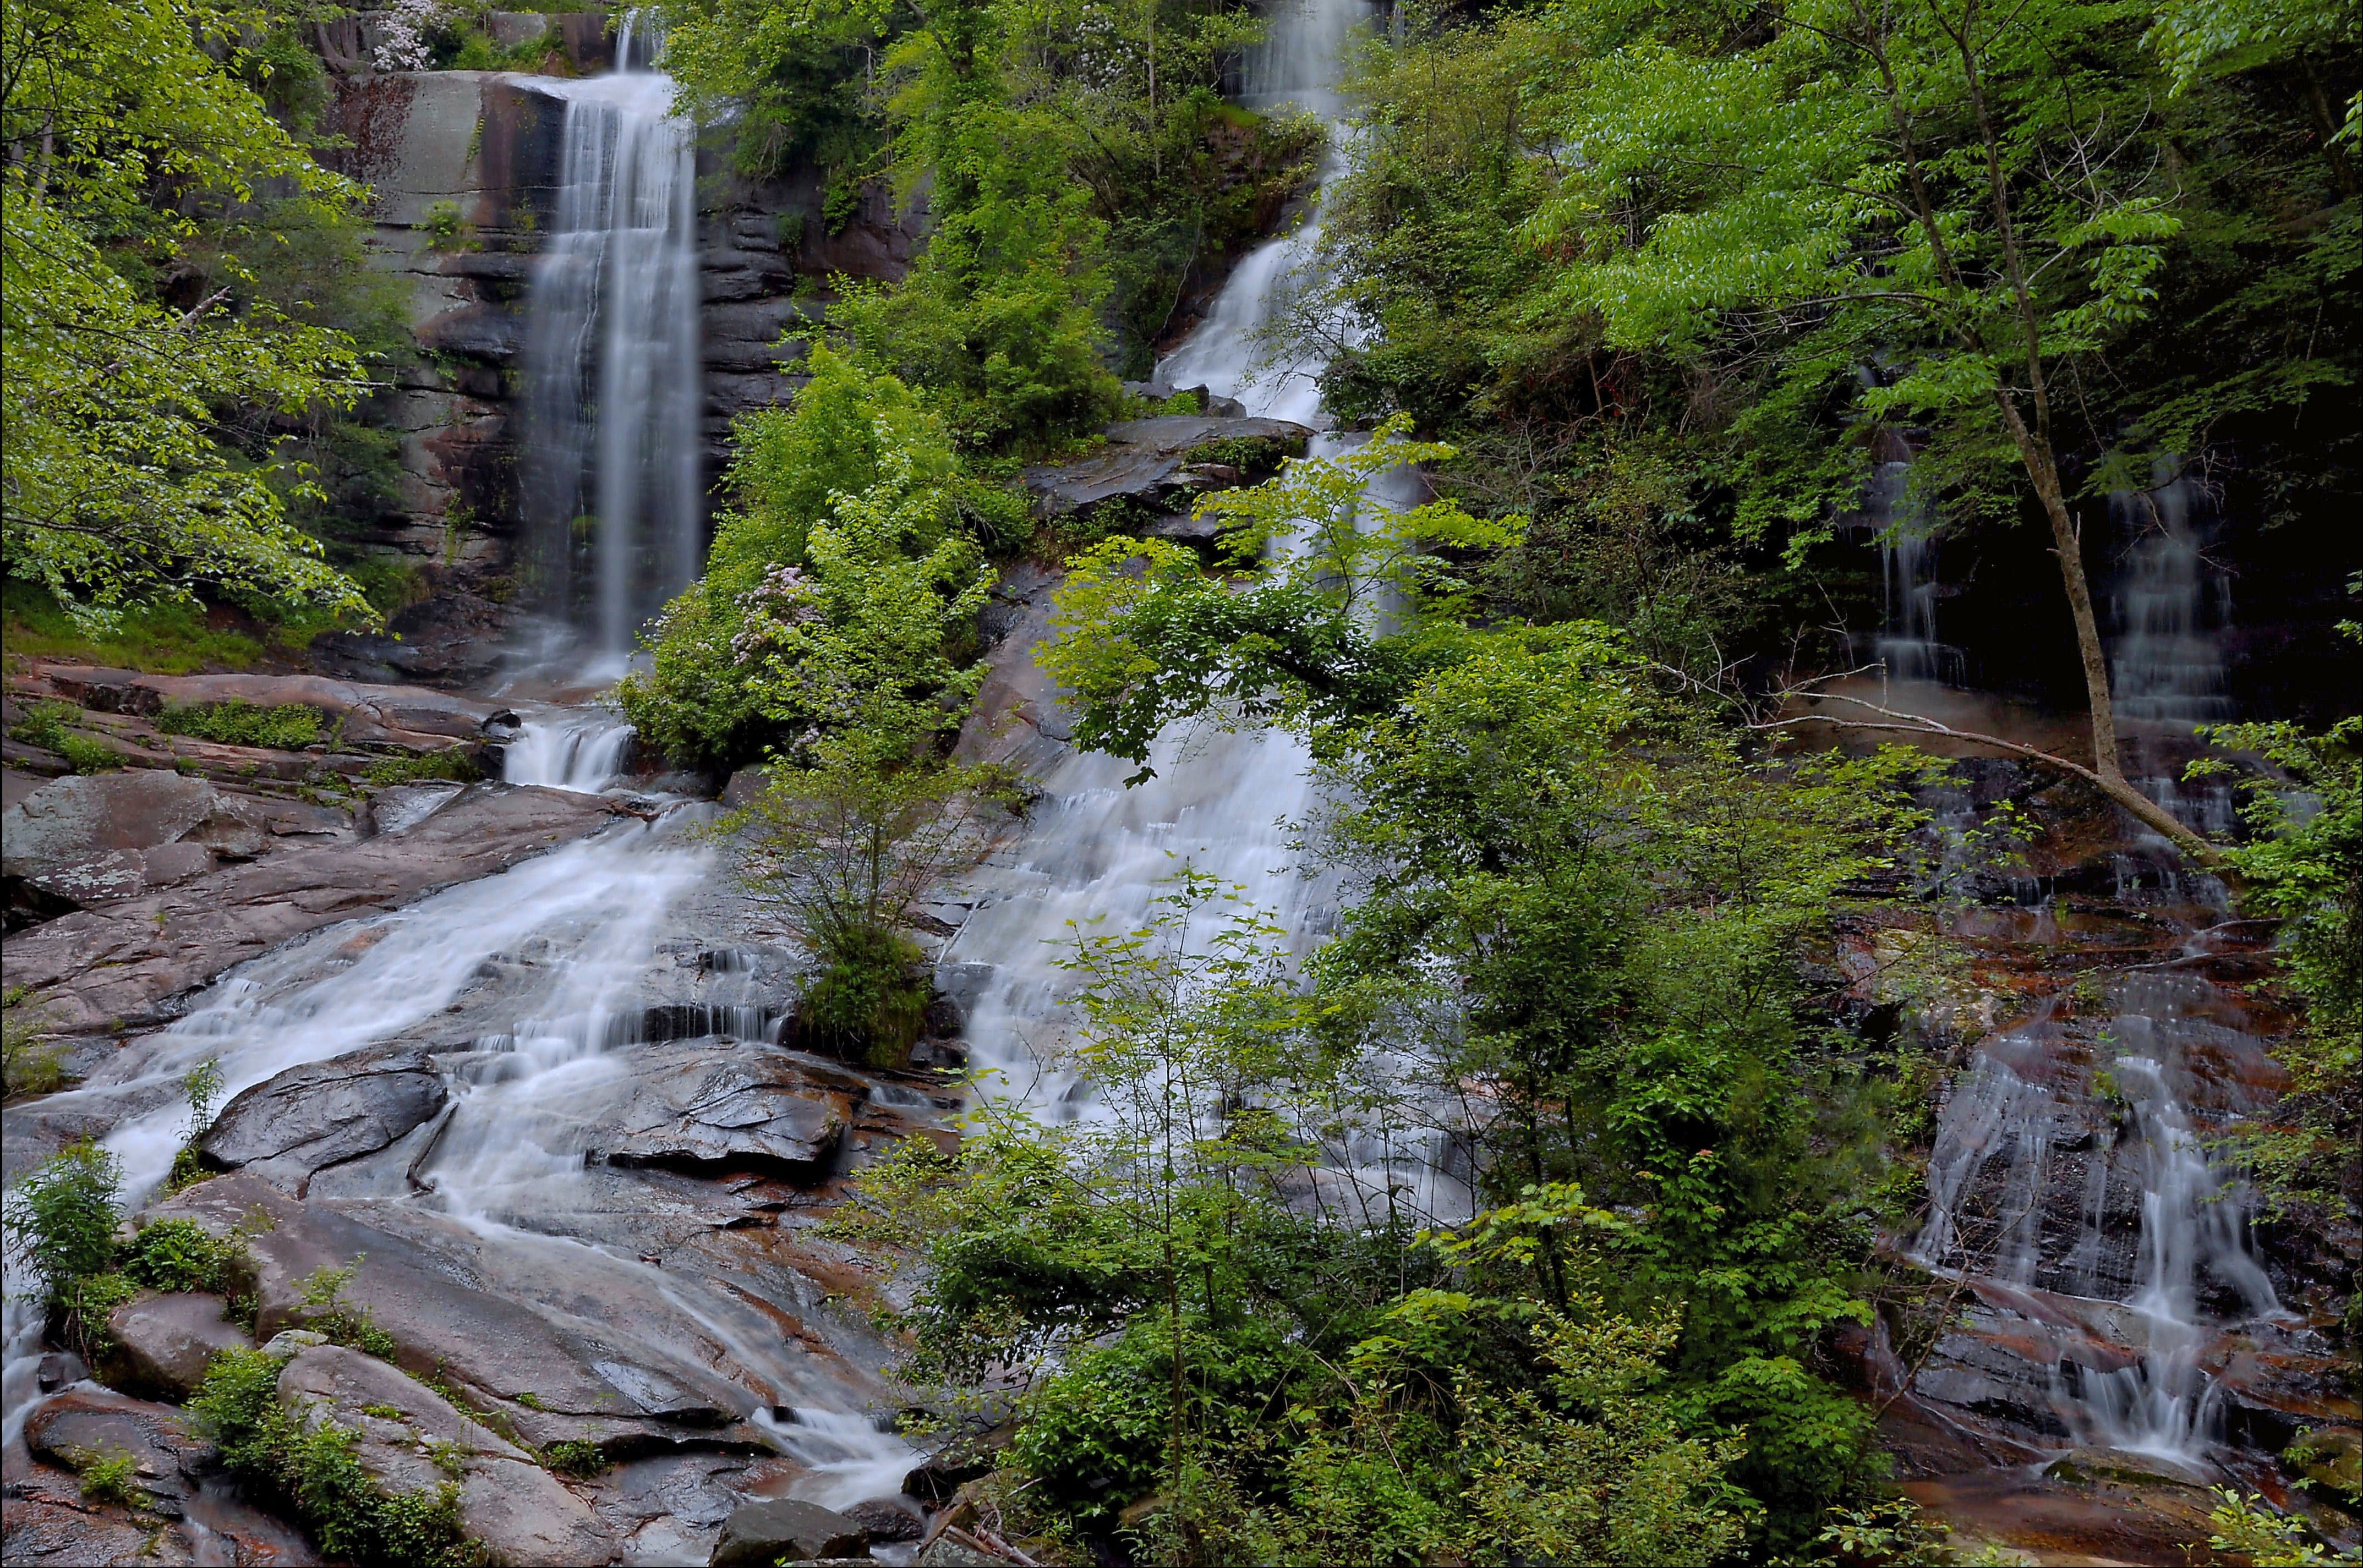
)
(1907, 647)
(614, 399)
(2072, 1180)
(583, 752)
(2166, 668)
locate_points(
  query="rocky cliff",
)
(463, 169)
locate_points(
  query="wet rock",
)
(99, 838)
(785, 1529)
(78, 1426)
(1149, 460)
(602, 1358)
(517, 1510)
(119, 966)
(670, 1507)
(58, 1368)
(46, 1521)
(887, 1520)
(324, 1113)
(163, 1343)
(708, 1113)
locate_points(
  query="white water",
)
(614, 398)
(2194, 1216)
(580, 751)
(1096, 853)
(2165, 668)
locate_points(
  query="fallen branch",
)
(2113, 785)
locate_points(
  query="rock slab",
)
(785, 1530)
(517, 1510)
(324, 1113)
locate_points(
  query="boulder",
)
(785, 1530)
(121, 965)
(1150, 459)
(887, 1519)
(711, 1111)
(324, 1113)
(163, 1343)
(76, 1427)
(517, 1510)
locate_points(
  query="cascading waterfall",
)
(583, 752)
(1097, 853)
(614, 398)
(2014, 1114)
(2166, 668)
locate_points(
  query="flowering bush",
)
(404, 29)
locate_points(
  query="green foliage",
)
(119, 487)
(29, 1062)
(849, 847)
(840, 588)
(181, 1255)
(170, 639)
(112, 1479)
(326, 1311)
(290, 727)
(1153, 638)
(310, 1461)
(62, 1216)
(45, 724)
(447, 230)
(582, 1459)
(2249, 1526)
(452, 764)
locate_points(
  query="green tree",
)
(123, 122)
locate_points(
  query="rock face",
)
(731, 1110)
(323, 1114)
(122, 965)
(517, 1510)
(785, 1530)
(484, 149)
(1160, 463)
(163, 1343)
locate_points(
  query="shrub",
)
(314, 1465)
(289, 727)
(62, 1216)
(452, 764)
(110, 1478)
(869, 999)
(28, 1063)
(575, 1458)
(447, 230)
(182, 1255)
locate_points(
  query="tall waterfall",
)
(613, 487)
(1222, 802)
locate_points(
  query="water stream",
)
(614, 497)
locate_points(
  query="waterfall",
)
(2120, 1322)
(2167, 670)
(1096, 852)
(613, 493)
(580, 751)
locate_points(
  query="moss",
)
(289, 727)
(453, 764)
